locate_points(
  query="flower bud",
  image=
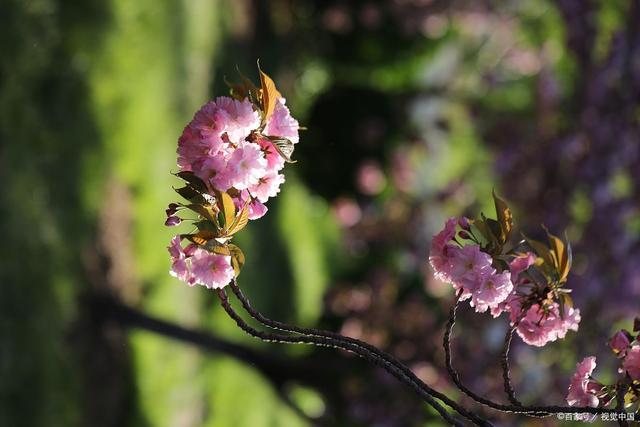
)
(636, 324)
(620, 342)
(464, 235)
(172, 221)
(171, 209)
(463, 222)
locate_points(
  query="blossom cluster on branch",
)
(584, 390)
(230, 156)
(526, 281)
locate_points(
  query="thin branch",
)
(370, 351)
(324, 341)
(535, 411)
(506, 371)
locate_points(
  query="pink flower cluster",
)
(627, 348)
(471, 272)
(585, 391)
(195, 265)
(228, 145)
(225, 147)
(543, 323)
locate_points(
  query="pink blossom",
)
(580, 389)
(282, 124)
(179, 267)
(191, 148)
(246, 166)
(469, 267)
(256, 209)
(631, 363)
(214, 170)
(438, 257)
(620, 342)
(211, 270)
(492, 290)
(195, 265)
(241, 118)
(275, 161)
(521, 263)
(209, 123)
(268, 186)
(541, 325)
(441, 239)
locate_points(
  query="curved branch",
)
(506, 371)
(324, 341)
(408, 375)
(535, 411)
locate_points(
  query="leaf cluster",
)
(218, 218)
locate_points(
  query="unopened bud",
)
(464, 235)
(171, 209)
(172, 221)
(463, 222)
(620, 341)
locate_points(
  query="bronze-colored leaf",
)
(541, 250)
(200, 238)
(495, 228)
(269, 95)
(227, 207)
(244, 89)
(237, 258)
(284, 147)
(204, 211)
(239, 222)
(218, 248)
(561, 255)
(505, 218)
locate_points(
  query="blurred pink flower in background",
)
(370, 179)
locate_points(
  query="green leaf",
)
(496, 230)
(192, 179)
(189, 193)
(485, 231)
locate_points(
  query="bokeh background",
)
(415, 109)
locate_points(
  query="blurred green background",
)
(415, 111)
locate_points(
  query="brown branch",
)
(532, 411)
(323, 341)
(364, 349)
